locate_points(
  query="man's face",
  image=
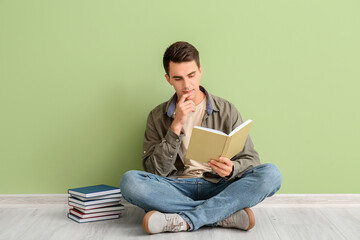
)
(185, 78)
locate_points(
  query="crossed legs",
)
(198, 201)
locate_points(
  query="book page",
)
(240, 127)
(211, 130)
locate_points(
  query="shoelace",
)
(227, 222)
(174, 223)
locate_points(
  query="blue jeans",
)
(198, 201)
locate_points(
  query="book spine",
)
(226, 147)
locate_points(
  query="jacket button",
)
(171, 156)
(177, 140)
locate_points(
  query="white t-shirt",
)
(192, 167)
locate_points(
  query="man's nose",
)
(187, 83)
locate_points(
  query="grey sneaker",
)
(243, 219)
(157, 222)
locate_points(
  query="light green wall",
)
(78, 78)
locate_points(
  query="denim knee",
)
(130, 184)
(270, 177)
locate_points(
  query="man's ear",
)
(200, 69)
(168, 78)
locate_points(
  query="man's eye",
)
(191, 76)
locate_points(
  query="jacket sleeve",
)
(159, 153)
(246, 159)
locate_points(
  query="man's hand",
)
(223, 168)
(183, 107)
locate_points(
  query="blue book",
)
(116, 195)
(93, 191)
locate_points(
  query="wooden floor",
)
(279, 217)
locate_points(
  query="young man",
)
(182, 194)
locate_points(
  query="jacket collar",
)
(210, 105)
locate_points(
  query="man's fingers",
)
(188, 103)
(219, 170)
(188, 106)
(183, 97)
(223, 168)
(226, 161)
(219, 165)
(188, 109)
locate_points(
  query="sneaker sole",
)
(145, 222)
(251, 218)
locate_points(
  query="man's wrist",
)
(176, 128)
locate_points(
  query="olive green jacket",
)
(162, 154)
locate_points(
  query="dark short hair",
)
(180, 52)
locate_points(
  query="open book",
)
(206, 143)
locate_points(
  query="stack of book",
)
(94, 203)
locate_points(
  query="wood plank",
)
(302, 223)
(263, 229)
(346, 220)
(277, 200)
(44, 217)
(311, 200)
(271, 223)
(52, 223)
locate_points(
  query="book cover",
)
(94, 219)
(76, 205)
(94, 191)
(93, 202)
(117, 195)
(206, 144)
